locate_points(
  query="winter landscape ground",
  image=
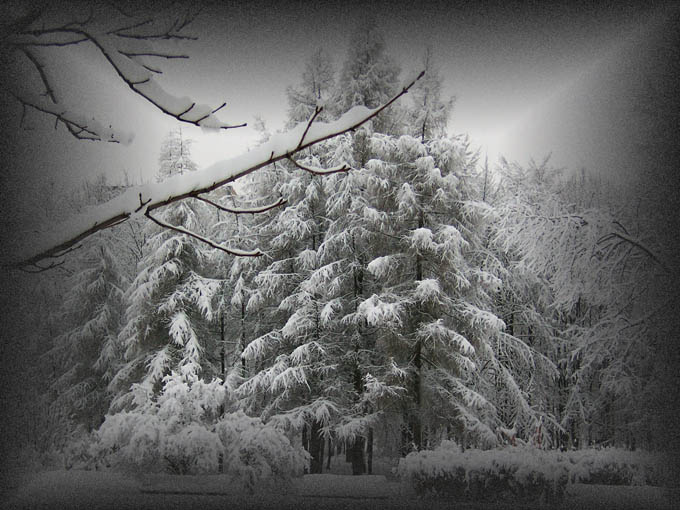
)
(360, 310)
(101, 490)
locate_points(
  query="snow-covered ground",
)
(104, 489)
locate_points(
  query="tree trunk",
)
(369, 451)
(406, 439)
(416, 425)
(356, 451)
(223, 371)
(243, 336)
(316, 448)
(330, 453)
(305, 443)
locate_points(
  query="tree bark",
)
(369, 451)
(316, 444)
(357, 456)
(330, 453)
(305, 443)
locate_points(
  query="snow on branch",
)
(127, 45)
(321, 171)
(244, 210)
(637, 244)
(143, 200)
(182, 230)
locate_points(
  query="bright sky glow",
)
(527, 82)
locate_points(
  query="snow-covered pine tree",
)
(169, 303)
(432, 296)
(87, 353)
(428, 112)
(317, 88)
(175, 155)
(368, 380)
(369, 77)
(287, 361)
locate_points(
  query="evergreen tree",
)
(428, 114)
(317, 88)
(175, 156)
(291, 336)
(170, 302)
(601, 272)
(87, 353)
(369, 77)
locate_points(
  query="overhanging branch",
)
(637, 244)
(209, 242)
(320, 171)
(244, 210)
(122, 45)
(160, 195)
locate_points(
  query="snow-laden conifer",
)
(87, 353)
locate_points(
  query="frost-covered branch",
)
(140, 200)
(182, 230)
(320, 171)
(244, 210)
(126, 44)
(637, 244)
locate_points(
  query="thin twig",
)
(41, 71)
(151, 206)
(181, 230)
(317, 111)
(249, 210)
(320, 171)
(637, 245)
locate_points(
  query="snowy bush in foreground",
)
(182, 432)
(519, 474)
(256, 452)
(613, 466)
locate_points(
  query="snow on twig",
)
(140, 200)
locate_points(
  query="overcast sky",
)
(528, 80)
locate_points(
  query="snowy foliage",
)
(87, 354)
(614, 466)
(369, 76)
(316, 89)
(183, 432)
(175, 156)
(514, 474)
(170, 307)
(429, 114)
(582, 284)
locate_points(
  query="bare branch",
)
(168, 56)
(181, 230)
(39, 268)
(637, 244)
(75, 127)
(41, 71)
(317, 111)
(245, 210)
(208, 180)
(321, 171)
(119, 55)
(66, 251)
(65, 247)
(137, 24)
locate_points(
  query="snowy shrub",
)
(181, 432)
(613, 466)
(516, 474)
(193, 449)
(256, 452)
